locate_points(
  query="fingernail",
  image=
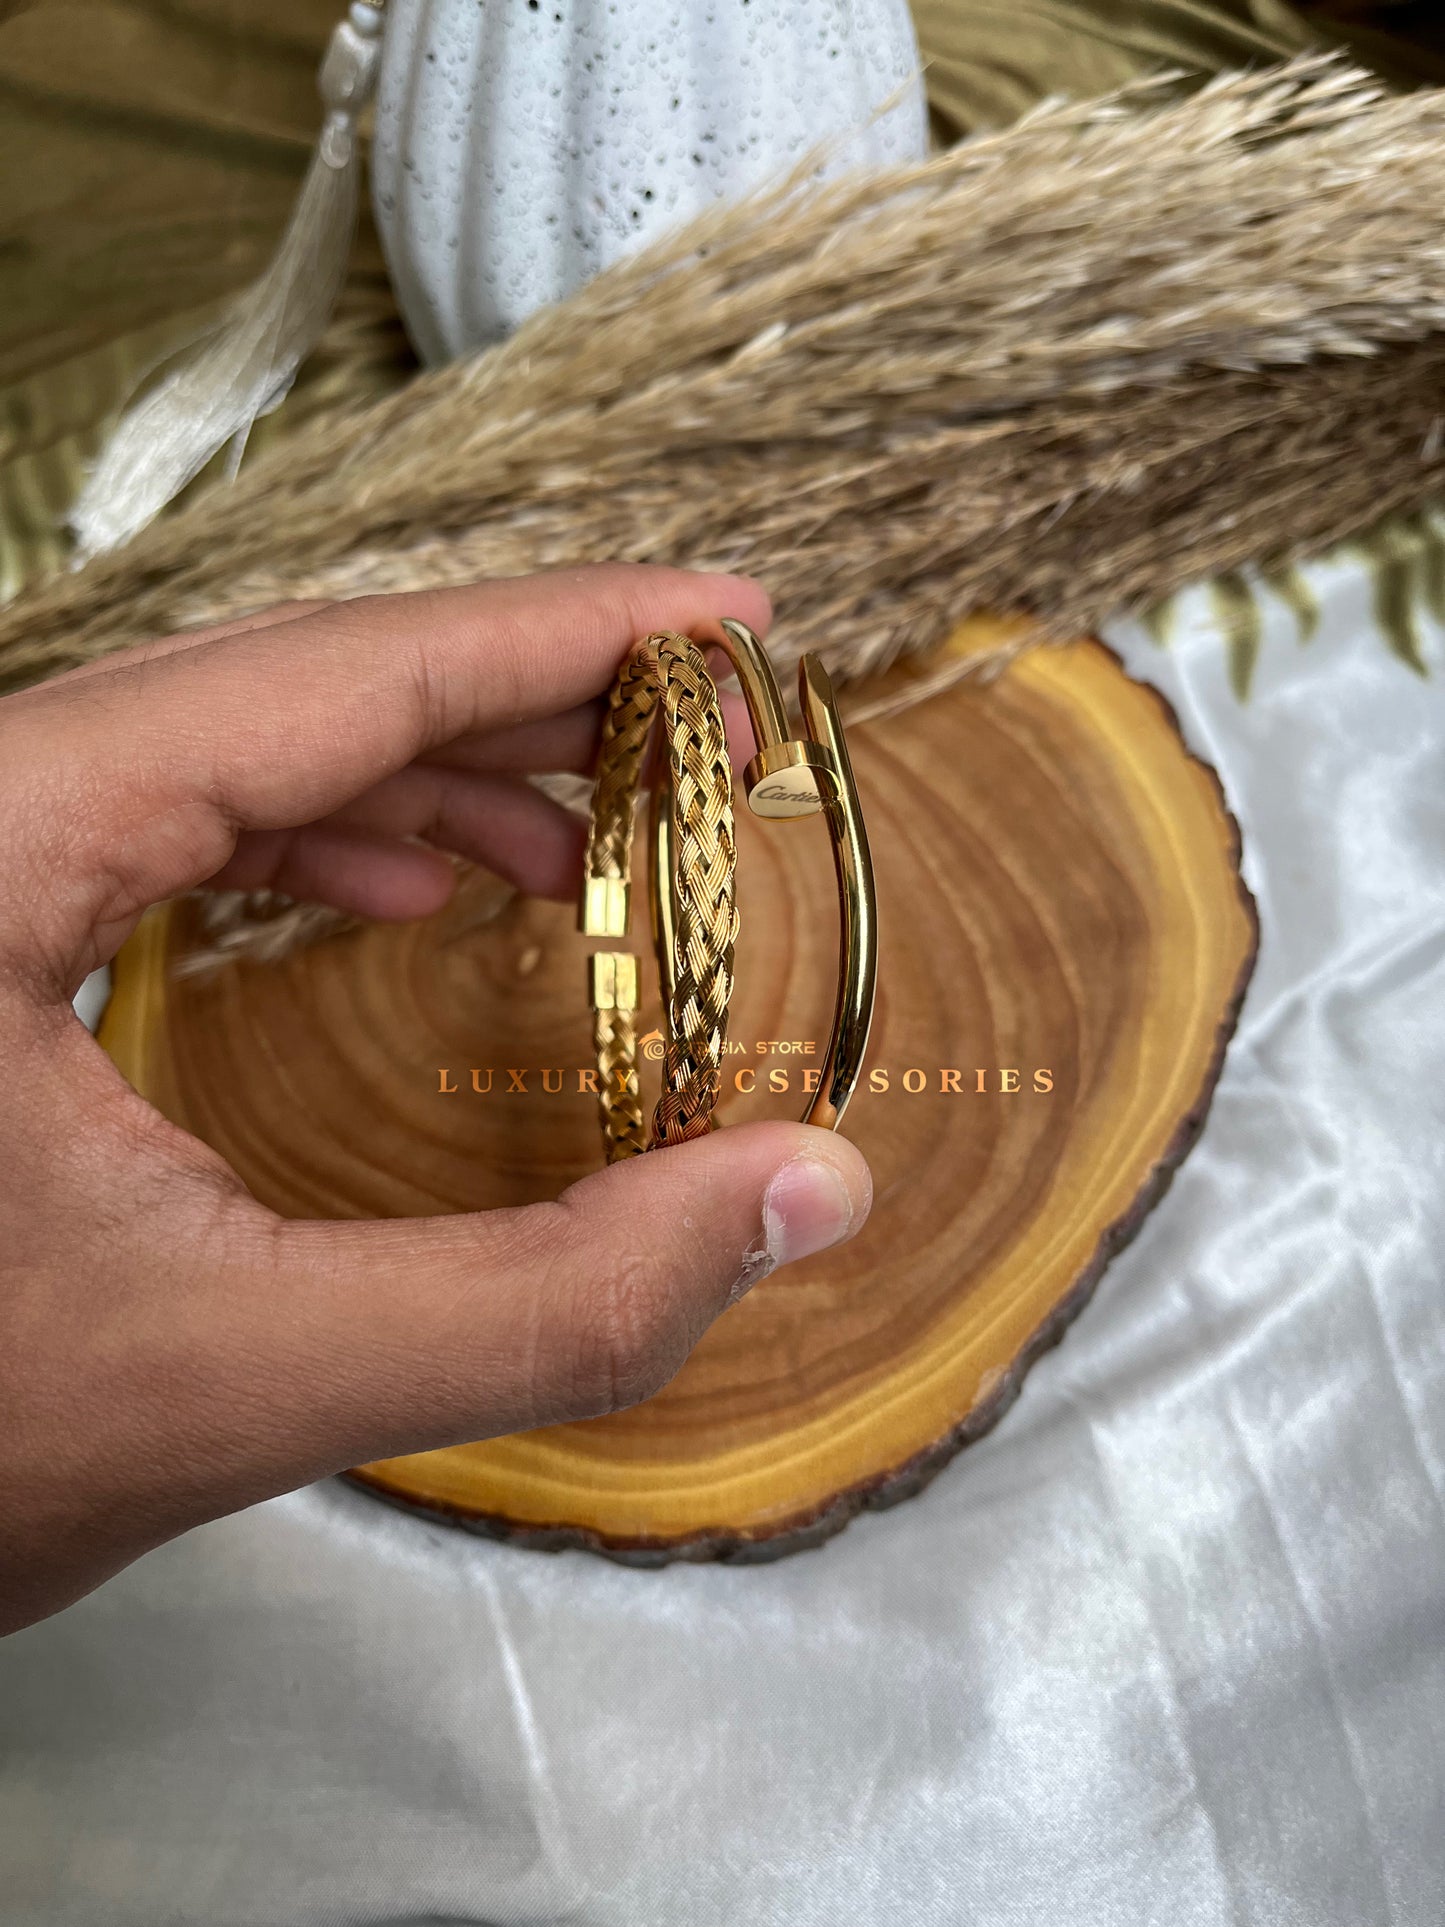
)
(806, 1208)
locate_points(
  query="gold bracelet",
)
(694, 914)
(693, 821)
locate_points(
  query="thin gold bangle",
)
(694, 917)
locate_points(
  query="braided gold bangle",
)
(694, 914)
(693, 828)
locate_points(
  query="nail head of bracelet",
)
(783, 779)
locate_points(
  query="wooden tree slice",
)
(1063, 926)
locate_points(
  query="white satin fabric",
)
(1167, 1647)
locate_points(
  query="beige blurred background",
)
(151, 149)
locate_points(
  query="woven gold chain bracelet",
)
(694, 913)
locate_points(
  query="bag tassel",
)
(244, 365)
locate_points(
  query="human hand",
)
(169, 1349)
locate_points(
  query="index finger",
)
(149, 775)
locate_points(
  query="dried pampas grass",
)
(1058, 371)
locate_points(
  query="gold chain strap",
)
(701, 914)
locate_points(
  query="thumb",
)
(410, 1334)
